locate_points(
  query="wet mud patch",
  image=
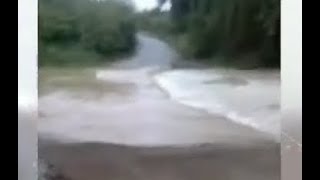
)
(80, 83)
(47, 171)
(233, 81)
(274, 107)
(96, 161)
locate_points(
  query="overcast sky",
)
(148, 4)
(145, 4)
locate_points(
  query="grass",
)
(68, 56)
(77, 80)
(75, 56)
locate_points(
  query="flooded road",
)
(141, 101)
(143, 109)
(250, 98)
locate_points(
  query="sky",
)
(148, 4)
(145, 4)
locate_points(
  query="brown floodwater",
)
(141, 119)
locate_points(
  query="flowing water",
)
(144, 101)
(247, 97)
(141, 118)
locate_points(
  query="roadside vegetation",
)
(84, 32)
(241, 33)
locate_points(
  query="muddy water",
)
(141, 119)
(251, 98)
(142, 101)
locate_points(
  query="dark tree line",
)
(230, 27)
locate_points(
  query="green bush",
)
(71, 30)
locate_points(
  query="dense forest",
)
(77, 32)
(238, 32)
(227, 32)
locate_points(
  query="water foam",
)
(186, 87)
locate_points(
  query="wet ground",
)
(123, 121)
(100, 161)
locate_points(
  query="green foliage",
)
(232, 28)
(55, 55)
(155, 21)
(75, 30)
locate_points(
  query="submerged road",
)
(144, 118)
